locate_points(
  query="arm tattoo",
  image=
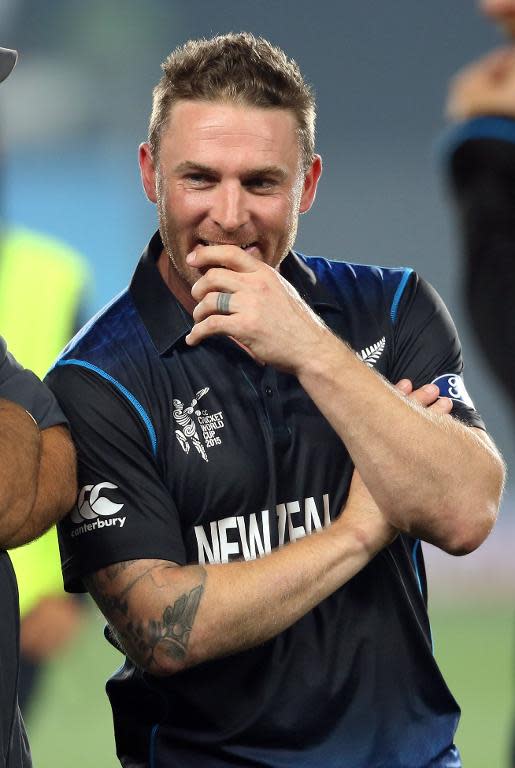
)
(150, 641)
(170, 635)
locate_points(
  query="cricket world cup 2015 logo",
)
(197, 426)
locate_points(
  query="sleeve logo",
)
(94, 510)
(452, 385)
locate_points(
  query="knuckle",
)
(200, 311)
(212, 323)
(197, 289)
(207, 280)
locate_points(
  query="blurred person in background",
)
(481, 174)
(219, 421)
(42, 283)
(37, 469)
(481, 171)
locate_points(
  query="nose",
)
(229, 210)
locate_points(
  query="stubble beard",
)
(186, 274)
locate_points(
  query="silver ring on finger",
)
(222, 303)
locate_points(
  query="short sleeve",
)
(428, 350)
(124, 511)
(23, 387)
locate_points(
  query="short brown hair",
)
(238, 68)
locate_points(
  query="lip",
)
(205, 242)
(253, 248)
(254, 251)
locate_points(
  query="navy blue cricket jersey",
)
(199, 455)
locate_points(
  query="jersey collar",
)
(164, 317)
(167, 321)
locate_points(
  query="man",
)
(37, 470)
(480, 164)
(42, 281)
(219, 413)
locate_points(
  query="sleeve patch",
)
(452, 385)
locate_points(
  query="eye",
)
(198, 179)
(261, 183)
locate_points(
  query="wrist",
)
(320, 356)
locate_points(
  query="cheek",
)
(187, 208)
(279, 214)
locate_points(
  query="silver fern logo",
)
(370, 355)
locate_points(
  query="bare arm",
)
(20, 451)
(37, 476)
(168, 617)
(432, 477)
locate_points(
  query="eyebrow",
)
(267, 170)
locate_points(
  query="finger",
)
(216, 279)
(210, 305)
(230, 256)
(405, 386)
(425, 395)
(442, 405)
(213, 325)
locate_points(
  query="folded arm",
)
(167, 617)
(432, 477)
(37, 476)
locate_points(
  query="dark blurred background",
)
(72, 118)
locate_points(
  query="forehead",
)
(201, 131)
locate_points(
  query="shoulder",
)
(111, 343)
(107, 372)
(482, 147)
(21, 386)
(376, 286)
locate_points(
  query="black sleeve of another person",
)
(482, 177)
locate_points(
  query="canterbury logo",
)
(91, 504)
(370, 355)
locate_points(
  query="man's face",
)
(228, 174)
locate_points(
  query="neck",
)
(178, 286)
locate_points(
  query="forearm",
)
(431, 476)
(20, 448)
(189, 614)
(55, 489)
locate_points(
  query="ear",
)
(310, 184)
(148, 171)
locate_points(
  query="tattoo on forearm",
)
(147, 642)
(178, 620)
